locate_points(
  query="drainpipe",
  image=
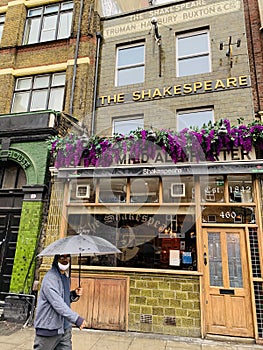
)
(99, 37)
(75, 59)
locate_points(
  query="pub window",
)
(144, 190)
(178, 189)
(2, 21)
(130, 64)
(125, 125)
(50, 22)
(193, 53)
(240, 188)
(112, 190)
(194, 118)
(154, 241)
(212, 188)
(82, 190)
(39, 92)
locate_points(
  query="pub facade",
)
(185, 213)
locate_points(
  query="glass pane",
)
(67, 5)
(113, 190)
(215, 259)
(35, 12)
(56, 99)
(49, 28)
(51, 8)
(20, 103)
(82, 190)
(41, 81)
(32, 30)
(9, 179)
(23, 83)
(144, 190)
(130, 76)
(58, 79)
(1, 30)
(194, 65)
(21, 181)
(39, 100)
(194, 119)
(212, 188)
(178, 190)
(64, 25)
(240, 188)
(125, 126)
(131, 56)
(192, 45)
(234, 260)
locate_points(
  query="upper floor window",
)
(125, 125)
(130, 64)
(50, 22)
(12, 176)
(39, 92)
(194, 118)
(193, 53)
(2, 21)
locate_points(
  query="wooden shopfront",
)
(197, 223)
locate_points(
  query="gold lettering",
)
(114, 98)
(120, 98)
(208, 85)
(243, 80)
(231, 81)
(145, 93)
(197, 85)
(177, 90)
(102, 98)
(219, 84)
(167, 91)
(136, 96)
(188, 88)
(156, 92)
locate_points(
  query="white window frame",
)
(42, 13)
(2, 22)
(31, 89)
(191, 111)
(194, 55)
(127, 120)
(129, 66)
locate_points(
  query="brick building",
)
(47, 54)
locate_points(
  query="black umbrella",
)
(80, 245)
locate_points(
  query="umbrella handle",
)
(79, 267)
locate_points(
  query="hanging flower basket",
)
(206, 143)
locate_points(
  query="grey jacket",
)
(51, 307)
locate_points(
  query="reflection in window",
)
(112, 190)
(146, 240)
(144, 190)
(193, 53)
(179, 189)
(234, 260)
(130, 65)
(215, 259)
(12, 176)
(50, 22)
(82, 190)
(194, 118)
(240, 188)
(212, 188)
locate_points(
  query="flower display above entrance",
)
(141, 145)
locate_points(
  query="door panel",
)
(103, 303)
(228, 309)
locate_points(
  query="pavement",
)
(16, 337)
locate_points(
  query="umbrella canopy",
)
(80, 244)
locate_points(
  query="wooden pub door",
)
(228, 309)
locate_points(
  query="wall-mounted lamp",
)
(156, 31)
(230, 45)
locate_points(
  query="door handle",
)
(205, 258)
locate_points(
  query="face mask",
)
(63, 267)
